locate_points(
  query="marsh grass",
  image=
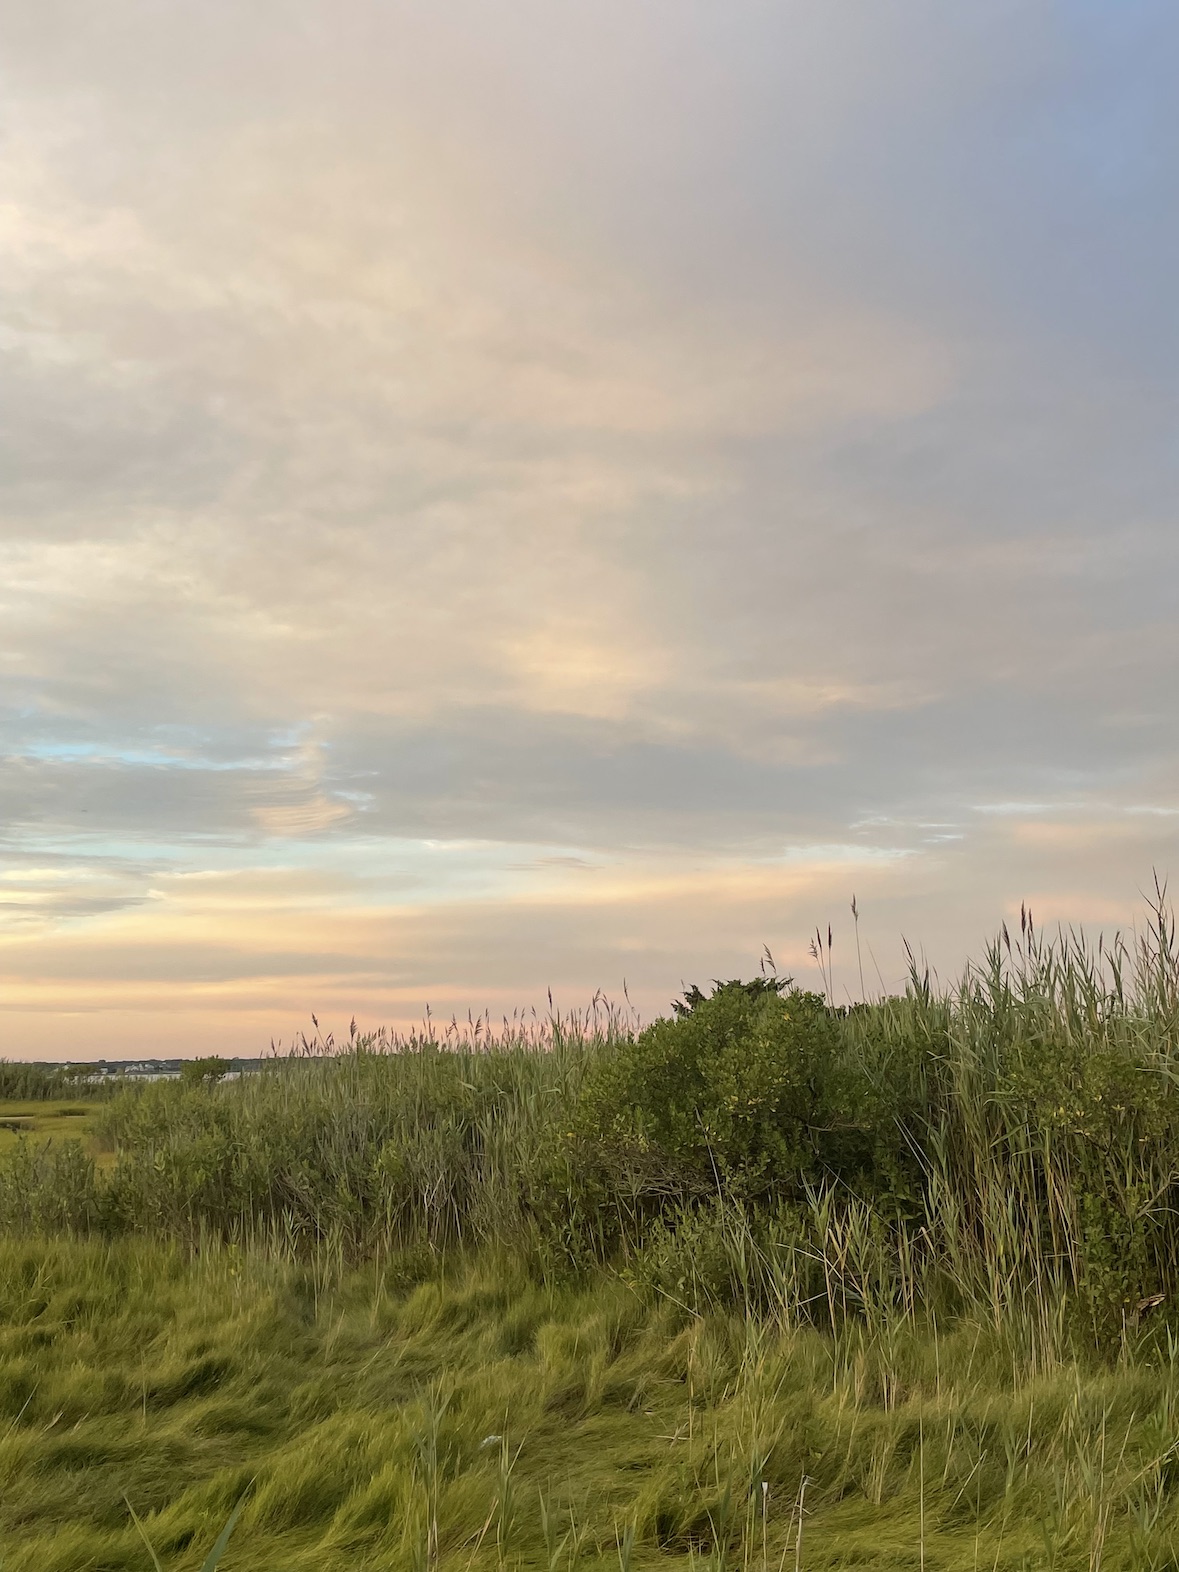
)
(1015, 1141)
(45, 1119)
(212, 1560)
(449, 1305)
(1015, 1146)
(43, 1083)
(481, 1419)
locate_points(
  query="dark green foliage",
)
(748, 1090)
(196, 1072)
(755, 989)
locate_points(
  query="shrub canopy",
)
(747, 1089)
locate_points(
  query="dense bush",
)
(751, 1091)
(193, 1072)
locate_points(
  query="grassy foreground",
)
(479, 1419)
(766, 1285)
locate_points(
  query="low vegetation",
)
(770, 1281)
(407, 1416)
(39, 1083)
(43, 1120)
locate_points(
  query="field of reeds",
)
(769, 1282)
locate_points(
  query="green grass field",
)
(478, 1418)
(45, 1121)
(766, 1287)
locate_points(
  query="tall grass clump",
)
(33, 1083)
(1047, 1121)
(437, 1141)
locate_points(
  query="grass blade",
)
(155, 1560)
(218, 1549)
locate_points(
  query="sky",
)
(504, 495)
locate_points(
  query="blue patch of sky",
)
(149, 758)
(172, 745)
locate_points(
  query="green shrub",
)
(46, 1187)
(748, 1091)
(204, 1072)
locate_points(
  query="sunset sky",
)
(510, 494)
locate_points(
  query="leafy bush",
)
(748, 1090)
(45, 1188)
(198, 1072)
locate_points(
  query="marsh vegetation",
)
(768, 1283)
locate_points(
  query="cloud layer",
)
(505, 496)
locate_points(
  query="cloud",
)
(517, 496)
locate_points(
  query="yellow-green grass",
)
(67, 1120)
(415, 1415)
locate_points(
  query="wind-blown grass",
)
(480, 1419)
